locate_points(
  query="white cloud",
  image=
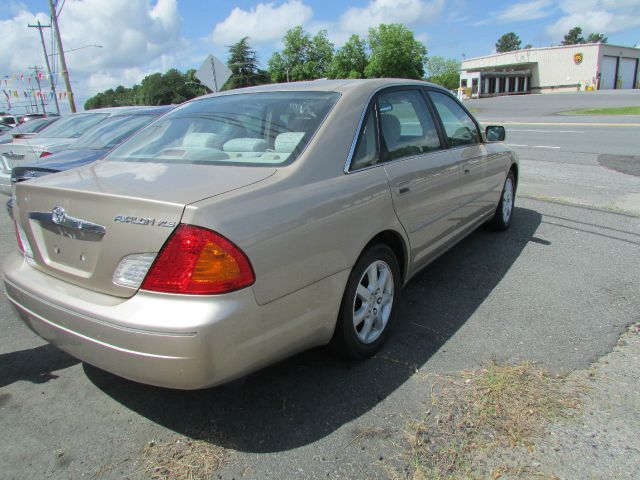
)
(21, 45)
(602, 16)
(525, 11)
(132, 32)
(408, 12)
(266, 22)
(137, 37)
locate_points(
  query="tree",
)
(155, 89)
(302, 58)
(443, 71)
(574, 37)
(319, 56)
(528, 46)
(508, 43)
(351, 60)
(395, 53)
(596, 38)
(243, 63)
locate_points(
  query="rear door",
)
(423, 176)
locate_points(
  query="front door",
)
(423, 177)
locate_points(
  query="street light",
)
(86, 46)
(79, 48)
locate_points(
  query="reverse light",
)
(23, 242)
(197, 260)
(132, 269)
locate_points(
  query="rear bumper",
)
(175, 341)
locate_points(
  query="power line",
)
(39, 26)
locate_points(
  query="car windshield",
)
(270, 128)
(34, 125)
(112, 132)
(74, 126)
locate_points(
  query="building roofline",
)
(546, 48)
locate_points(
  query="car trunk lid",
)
(80, 224)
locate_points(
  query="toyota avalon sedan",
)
(243, 227)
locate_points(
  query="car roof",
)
(145, 110)
(324, 85)
(140, 109)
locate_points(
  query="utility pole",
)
(37, 70)
(63, 62)
(39, 26)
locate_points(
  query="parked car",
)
(246, 226)
(32, 116)
(28, 129)
(94, 144)
(4, 128)
(58, 137)
(9, 120)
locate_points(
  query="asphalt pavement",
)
(558, 288)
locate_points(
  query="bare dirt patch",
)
(476, 412)
(181, 458)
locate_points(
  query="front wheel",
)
(504, 211)
(368, 303)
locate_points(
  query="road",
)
(557, 288)
(584, 160)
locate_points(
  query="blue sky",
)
(142, 36)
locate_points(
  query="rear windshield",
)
(74, 126)
(270, 128)
(34, 125)
(112, 132)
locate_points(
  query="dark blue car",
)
(94, 144)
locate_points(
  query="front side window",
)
(269, 128)
(458, 125)
(406, 124)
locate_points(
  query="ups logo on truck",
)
(577, 58)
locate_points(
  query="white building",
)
(592, 66)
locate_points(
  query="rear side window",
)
(269, 128)
(366, 153)
(458, 125)
(406, 124)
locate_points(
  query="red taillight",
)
(45, 154)
(196, 260)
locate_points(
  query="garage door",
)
(608, 72)
(627, 71)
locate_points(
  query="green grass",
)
(631, 110)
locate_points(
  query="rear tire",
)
(369, 303)
(504, 212)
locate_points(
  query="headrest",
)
(301, 123)
(245, 145)
(198, 139)
(390, 128)
(287, 142)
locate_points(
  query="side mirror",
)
(495, 133)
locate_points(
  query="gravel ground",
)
(603, 441)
